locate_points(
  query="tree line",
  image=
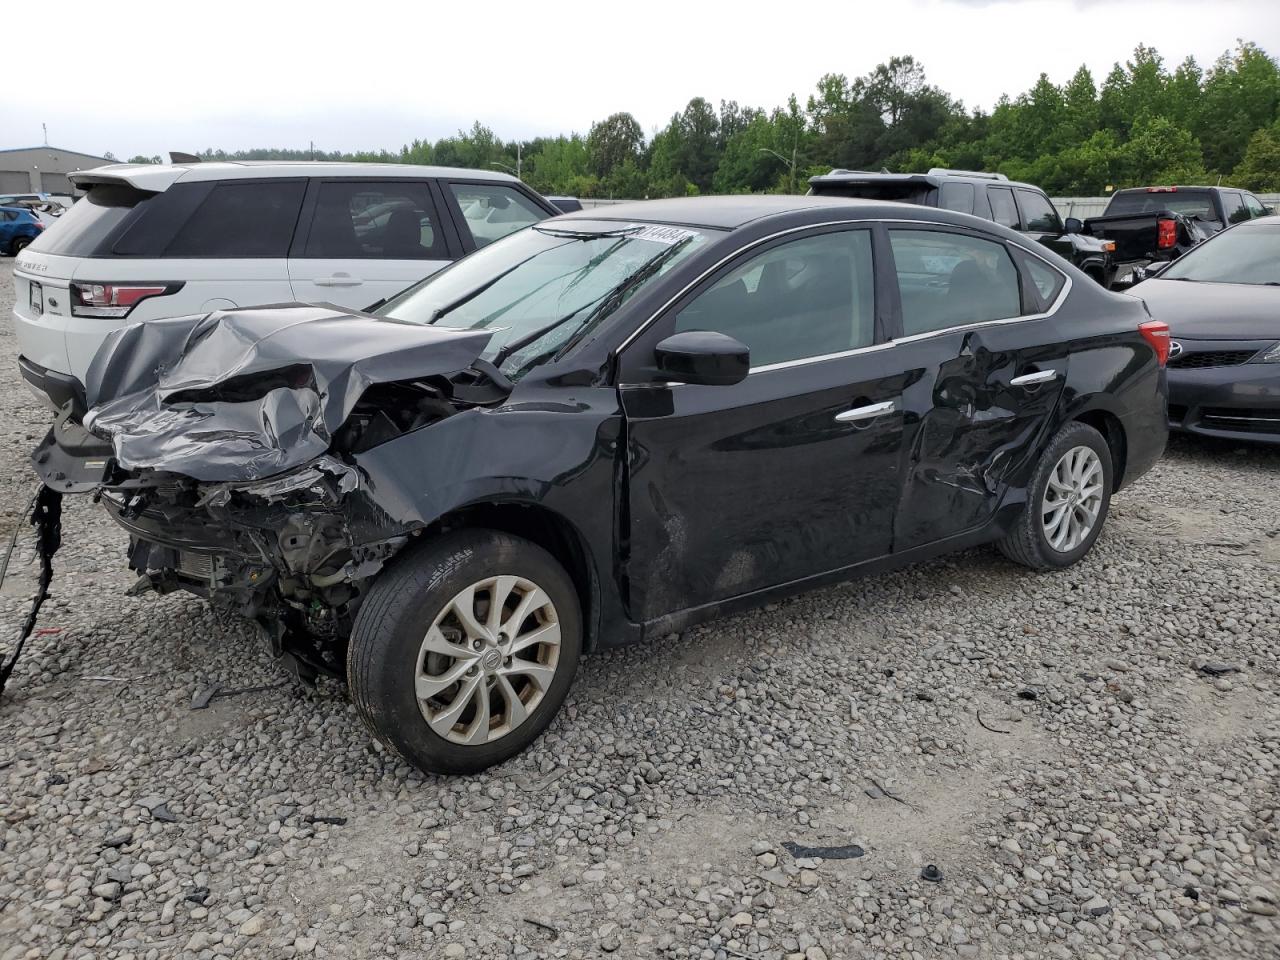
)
(1144, 124)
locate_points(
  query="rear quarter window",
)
(956, 196)
(242, 219)
(90, 226)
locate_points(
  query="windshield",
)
(1243, 255)
(1187, 204)
(542, 288)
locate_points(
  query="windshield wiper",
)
(608, 301)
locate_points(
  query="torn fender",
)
(245, 394)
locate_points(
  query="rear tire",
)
(1067, 501)
(18, 245)
(438, 677)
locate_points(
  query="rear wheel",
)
(1067, 501)
(18, 245)
(464, 651)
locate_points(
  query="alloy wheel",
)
(488, 660)
(1072, 499)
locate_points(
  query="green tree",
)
(1241, 94)
(1260, 168)
(613, 142)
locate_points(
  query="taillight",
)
(1166, 234)
(1162, 189)
(114, 300)
(1156, 333)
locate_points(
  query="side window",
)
(950, 279)
(1048, 281)
(388, 220)
(7, 215)
(956, 196)
(1256, 209)
(1003, 210)
(242, 219)
(491, 211)
(1233, 207)
(1038, 215)
(804, 298)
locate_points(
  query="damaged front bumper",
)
(293, 552)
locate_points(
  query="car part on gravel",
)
(46, 517)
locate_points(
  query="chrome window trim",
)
(870, 222)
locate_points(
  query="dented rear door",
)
(987, 365)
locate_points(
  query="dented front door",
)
(732, 489)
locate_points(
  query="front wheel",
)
(464, 650)
(1067, 501)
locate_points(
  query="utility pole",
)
(313, 149)
(518, 160)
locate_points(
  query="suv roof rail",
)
(980, 174)
(866, 173)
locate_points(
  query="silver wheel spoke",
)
(548, 633)
(444, 721)
(436, 642)
(478, 732)
(535, 599)
(464, 605)
(498, 594)
(429, 685)
(537, 672)
(516, 712)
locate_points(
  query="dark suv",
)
(991, 196)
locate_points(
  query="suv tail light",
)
(1162, 189)
(1166, 234)
(114, 300)
(1156, 333)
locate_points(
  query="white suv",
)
(152, 241)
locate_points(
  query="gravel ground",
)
(1048, 742)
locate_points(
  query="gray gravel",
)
(1046, 741)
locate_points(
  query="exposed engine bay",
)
(235, 465)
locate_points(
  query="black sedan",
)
(1222, 303)
(607, 427)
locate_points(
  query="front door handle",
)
(339, 280)
(1031, 379)
(869, 412)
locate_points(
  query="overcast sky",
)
(154, 76)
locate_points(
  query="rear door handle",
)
(869, 412)
(1031, 379)
(338, 280)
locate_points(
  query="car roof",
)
(933, 178)
(1156, 188)
(160, 176)
(723, 213)
(9, 209)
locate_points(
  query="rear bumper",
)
(1240, 402)
(57, 389)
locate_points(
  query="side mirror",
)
(1073, 225)
(703, 356)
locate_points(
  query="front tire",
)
(464, 650)
(1067, 501)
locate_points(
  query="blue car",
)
(18, 227)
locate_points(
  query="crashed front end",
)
(228, 446)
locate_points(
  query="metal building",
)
(43, 169)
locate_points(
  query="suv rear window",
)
(1190, 204)
(84, 229)
(242, 218)
(904, 192)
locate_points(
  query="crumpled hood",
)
(245, 394)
